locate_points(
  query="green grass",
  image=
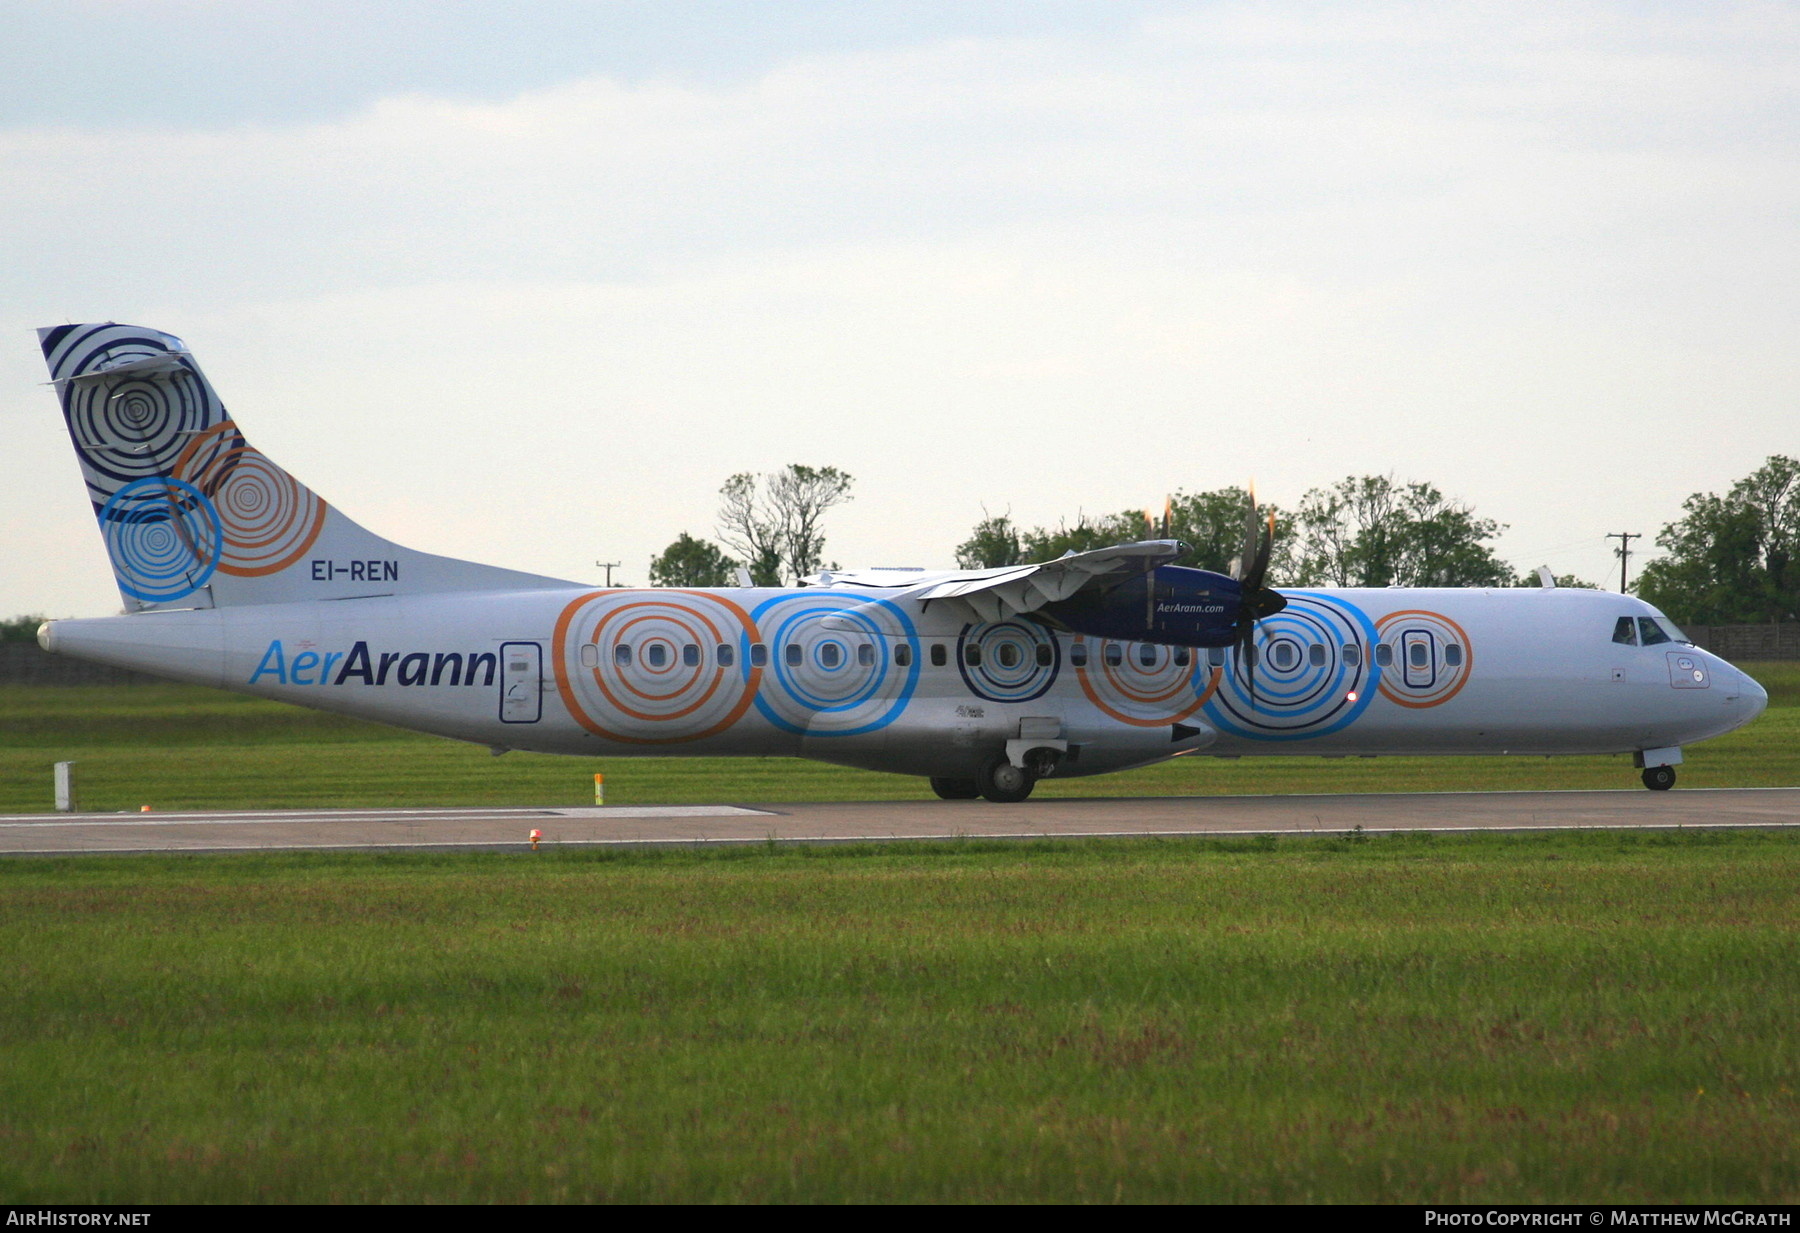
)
(175, 747)
(1592, 1018)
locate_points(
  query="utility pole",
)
(1623, 552)
(609, 567)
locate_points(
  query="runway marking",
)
(272, 818)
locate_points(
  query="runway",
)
(885, 821)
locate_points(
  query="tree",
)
(1046, 544)
(1530, 579)
(773, 521)
(21, 628)
(1211, 523)
(1368, 531)
(1731, 559)
(994, 543)
(690, 562)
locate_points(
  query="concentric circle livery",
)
(1016, 661)
(829, 682)
(624, 671)
(137, 426)
(270, 519)
(1432, 658)
(1149, 687)
(164, 538)
(1312, 673)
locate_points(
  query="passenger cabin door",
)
(521, 682)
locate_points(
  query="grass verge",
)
(1571, 1018)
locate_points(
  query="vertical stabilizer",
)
(193, 515)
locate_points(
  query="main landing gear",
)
(1659, 778)
(955, 789)
(998, 780)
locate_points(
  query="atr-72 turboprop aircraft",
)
(237, 575)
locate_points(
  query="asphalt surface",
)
(862, 821)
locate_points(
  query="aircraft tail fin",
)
(193, 515)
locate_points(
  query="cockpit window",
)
(1673, 630)
(1625, 631)
(1651, 632)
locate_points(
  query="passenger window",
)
(865, 655)
(622, 655)
(1078, 654)
(725, 655)
(792, 654)
(590, 655)
(1384, 655)
(690, 655)
(1453, 655)
(828, 655)
(1315, 655)
(759, 655)
(1352, 655)
(1114, 655)
(1283, 656)
(1008, 655)
(1625, 632)
(656, 655)
(902, 655)
(939, 657)
(1147, 655)
(1652, 632)
(1420, 654)
(972, 655)
(1045, 656)
(1216, 656)
(1183, 657)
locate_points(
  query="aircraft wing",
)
(995, 594)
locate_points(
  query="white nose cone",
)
(1754, 698)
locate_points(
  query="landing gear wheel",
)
(1659, 778)
(954, 789)
(1003, 783)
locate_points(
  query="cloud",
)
(1479, 246)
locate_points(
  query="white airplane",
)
(236, 575)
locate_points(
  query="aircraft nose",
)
(1753, 697)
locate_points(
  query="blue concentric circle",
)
(1307, 683)
(819, 681)
(164, 538)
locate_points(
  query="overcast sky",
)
(527, 289)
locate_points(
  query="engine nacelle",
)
(1172, 605)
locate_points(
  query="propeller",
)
(1255, 600)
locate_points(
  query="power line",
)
(1623, 552)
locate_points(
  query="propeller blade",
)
(1255, 600)
(1249, 553)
